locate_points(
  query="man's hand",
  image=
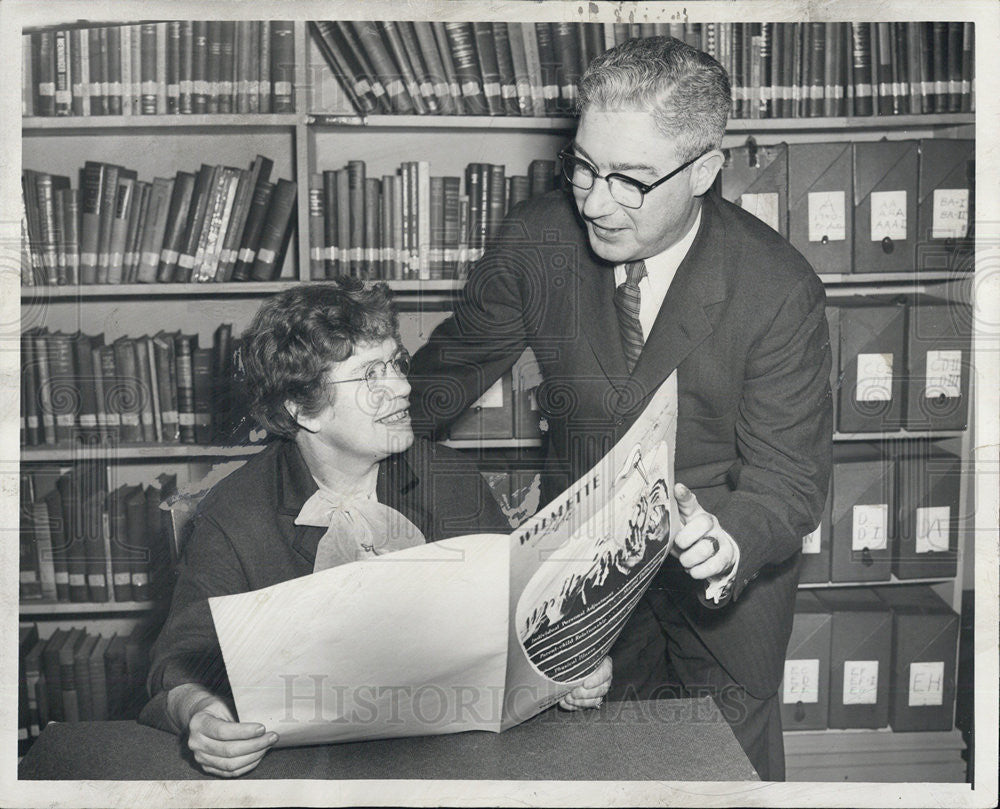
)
(221, 745)
(591, 692)
(702, 546)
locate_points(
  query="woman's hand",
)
(591, 692)
(221, 745)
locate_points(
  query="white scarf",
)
(358, 527)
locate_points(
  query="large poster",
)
(478, 632)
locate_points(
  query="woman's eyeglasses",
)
(376, 372)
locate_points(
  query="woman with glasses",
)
(325, 372)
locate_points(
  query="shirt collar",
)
(660, 268)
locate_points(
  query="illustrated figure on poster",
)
(556, 614)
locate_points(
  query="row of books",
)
(161, 389)
(181, 67)
(862, 207)
(75, 676)
(777, 70)
(890, 511)
(83, 543)
(411, 225)
(219, 223)
(870, 658)
(898, 366)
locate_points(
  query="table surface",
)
(668, 740)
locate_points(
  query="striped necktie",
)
(627, 306)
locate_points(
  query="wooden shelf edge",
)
(38, 124)
(831, 585)
(899, 435)
(229, 289)
(737, 125)
(83, 607)
(136, 452)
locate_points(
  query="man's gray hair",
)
(686, 90)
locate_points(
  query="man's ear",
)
(307, 423)
(704, 171)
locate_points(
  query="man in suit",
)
(640, 272)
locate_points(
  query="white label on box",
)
(763, 206)
(933, 528)
(944, 374)
(950, 217)
(874, 378)
(926, 683)
(801, 681)
(870, 526)
(492, 397)
(811, 543)
(860, 682)
(827, 216)
(888, 217)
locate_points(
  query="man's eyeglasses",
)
(625, 190)
(376, 372)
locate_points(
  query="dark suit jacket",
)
(743, 323)
(245, 538)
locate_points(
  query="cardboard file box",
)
(939, 364)
(863, 516)
(490, 416)
(820, 195)
(928, 498)
(945, 209)
(885, 206)
(805, 687)
(815, 566)
(872, 339)
(925, 639)
(860, 658)
(756, 178)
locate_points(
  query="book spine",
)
(183, 356)
(166, 385)
(283, 65)
(139, 540)
(485, 47)
(461, 39)
(85, 372)
(437, 228)
(519, 64)
(567, 53)
(436, 72)
(153, 230)
(317, 228)
(125, 65)
(199, 67)
(28, 86)
(861, 70)
(275, 232)
(356, 170)
(548, 66)
(505, 64)
(63, 103)
(127, 373)
(201, 384)
(264, 84)
(448, 65)
(119, 227)
(352, 80)
(227, 65)
(251, 233)
(45, 73)
(424, 84)
(967, 104)
(185, 67)
(373, 194)
(173, 67)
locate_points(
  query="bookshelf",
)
(322, 133)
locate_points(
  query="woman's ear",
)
(307, 423)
